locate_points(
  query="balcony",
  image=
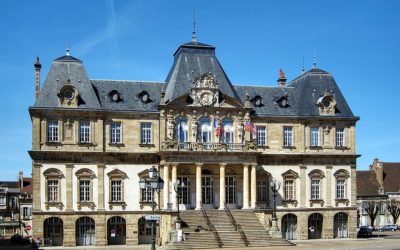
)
(173, 145)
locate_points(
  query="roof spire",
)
(194, 40)
(302, 66)
(67, 52)
(314, 60)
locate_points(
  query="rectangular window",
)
(262, 191)
(230, 190)
(52, 191)
(84, 132)
(145, 133)
(340, 189)
(26, 212)
(287, 136)
(52, 131)
(84, 189)
(314, 137)
(116, 191)
(340, 137)
(184, 190)
(289, 190)
(147, 194)
(116, 133)
(2, 200)
(315, 190)
(261, 138)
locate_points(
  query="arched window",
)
(182, 129)
(228, 131)
(205, 130)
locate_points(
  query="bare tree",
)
(394, 209)
(372, 208)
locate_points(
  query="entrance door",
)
(184, 193)
(85, 232)
(116, 231)
(315, 226)
(144, 231)
(289, 227)
(340, 225)
(207, 194)
(230, 192)
(53, 231)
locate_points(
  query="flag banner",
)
(219, 130)
(249, 127)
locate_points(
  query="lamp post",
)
(274, 232)
(178, 184)
(156, 184)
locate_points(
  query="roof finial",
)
(302, 66)
(194, 28)
(67, 52)
(314, 60)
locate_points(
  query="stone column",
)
(303, 185)
(253, 187)
(174, 178)
(198, 185)
(166, 187)
(69, 188)
(328, 192)
(100, 186)
(222, 186)
(353, 198)
(246, 186)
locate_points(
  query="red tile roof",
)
(367, 184)
(391, 176)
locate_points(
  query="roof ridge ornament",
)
(314, 61)
(194, 40)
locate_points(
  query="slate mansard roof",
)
(191, 60)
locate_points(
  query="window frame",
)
(341, 175)
(340, 136)
(146, 129)
(115, 133)
(261, 132)
(3, 197)
(288, 138)
(53, 131)
(147, 194)
(113, 176)
(315, 137)
(182, 121)
(53, 174)
(84, 131)
(290, 176)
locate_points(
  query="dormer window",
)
(144, 97)
(283, 101)
(115, 96)
(257, 101)
(68, 95)
(327, 104)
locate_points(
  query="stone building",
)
(94, 139)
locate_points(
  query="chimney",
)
(21, 179)
(282, 79)
(37, 66)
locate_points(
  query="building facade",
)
(94, 139)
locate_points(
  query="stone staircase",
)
(198, 235)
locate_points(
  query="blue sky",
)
(357, 41)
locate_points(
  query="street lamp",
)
(274, 231)
(176, 185)
(156, 184)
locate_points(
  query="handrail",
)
(237, 226)
(211, 226)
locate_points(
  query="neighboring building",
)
(9, 213)
(25, 205)
(94, 139)
(383, 186)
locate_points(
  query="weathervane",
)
(194, 28)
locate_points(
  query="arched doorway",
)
(144, 231)
(315, 221)
(116, 231)
(85, 231)
(289, 227)
(53, 231)
(340, 225)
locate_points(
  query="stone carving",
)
(241, 131)
(251, 145)
(169, 144)
(170, 126)
(194, 129)
(204, 90)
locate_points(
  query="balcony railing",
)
(172, 145)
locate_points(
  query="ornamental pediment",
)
(116, 173)
(205, 91)
(327, 104)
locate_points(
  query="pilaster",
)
(69, 188)
(36, 178)
(100, 187)
(303, 185)
(328, 191)
(353, 177)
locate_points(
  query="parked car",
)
(388, 228)
(364, 231)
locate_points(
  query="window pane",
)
(116, 190)
(287, 136)
(314, 140)
(52, 190)
(84, 191)
(261, 138)
(340, 137)
(115, 132)
(145, 133)
(52, 131)
(84, 131)
(315, 189)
